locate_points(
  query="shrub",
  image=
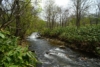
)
(45, 32)
(12, 55)
(87, 36)
(56, 32)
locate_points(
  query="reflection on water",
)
(53, 56)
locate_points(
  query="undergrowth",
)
(86, 38)
(13, 55)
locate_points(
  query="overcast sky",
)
(67, 4)
(63, 3)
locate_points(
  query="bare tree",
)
(50, 13)
(97, 11)
(54, 16)
(63, 16)
(6, 14)
(80, 6)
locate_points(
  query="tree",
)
(97, 11)
(18, 16)
(50, 13)
(63, 16)
(80, 6)
(6, 13)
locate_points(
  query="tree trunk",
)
(78, 15)
(17, 32)
(78, 21)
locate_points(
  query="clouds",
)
(62, 2)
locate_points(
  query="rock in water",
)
(62, 47)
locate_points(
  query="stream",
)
(52, 56)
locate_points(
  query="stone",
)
(62, 47)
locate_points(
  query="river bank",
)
(63, 44)
(50, 53)
(85, 38)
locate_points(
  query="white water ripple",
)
(57, 53)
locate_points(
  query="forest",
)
(78, 25)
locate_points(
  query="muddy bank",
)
(82, 47)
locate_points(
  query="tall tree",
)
(6, 13)
(63, 16)
(80, 6)
(17, 16)
(97, 11)
(50, 13)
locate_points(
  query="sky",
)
(67, 4)
(62, 3)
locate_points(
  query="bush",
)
(56, 32)
(45, 32)
(19, 57)
(87, 37)
(12, 55)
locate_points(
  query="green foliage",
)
(45, 32)
(88, 33)
(86, 37)
(56, 32)
(19, 57)
(12, 55)
(28, 22)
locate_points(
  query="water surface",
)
(52, 56)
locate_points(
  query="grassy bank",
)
(86, 38)
(14, 55)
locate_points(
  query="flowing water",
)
(52, 56)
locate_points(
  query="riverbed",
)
(51, 55)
